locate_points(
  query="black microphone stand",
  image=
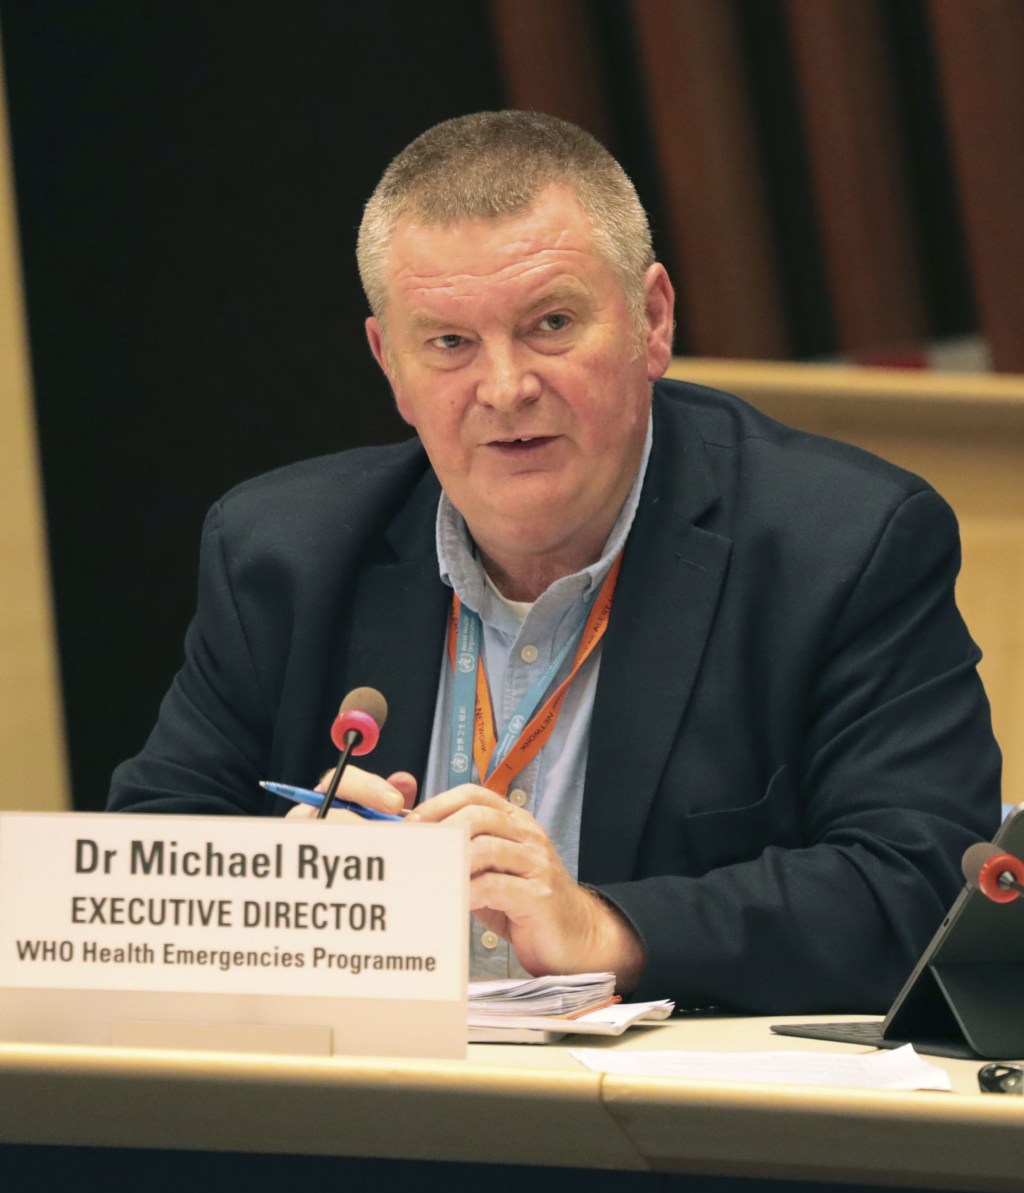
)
(352, 739)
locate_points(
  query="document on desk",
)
(892, 1069)
(554, 994)
(542, 1010)
(545, 1029)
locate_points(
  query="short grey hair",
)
(493, 165)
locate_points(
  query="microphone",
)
(356, 730)
(998, 875)
(363, 711)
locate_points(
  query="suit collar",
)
(664, 607)
(398, 621)
(410, 534)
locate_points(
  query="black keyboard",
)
(870, 1033)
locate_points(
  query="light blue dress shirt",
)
(519, 641)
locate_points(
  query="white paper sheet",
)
(893, 1069)
(622, 1014)
(556, 994)
(607, 1021)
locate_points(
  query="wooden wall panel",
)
(729, 293)
(980, 50)
(548, 60)
(32, 754)
(872, 128)
(850, 121)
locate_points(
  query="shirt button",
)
(518, 797)
(490, 940)
(528, 654)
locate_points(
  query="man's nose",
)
(506, 380)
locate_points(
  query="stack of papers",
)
(542, 1010)
(557, 994)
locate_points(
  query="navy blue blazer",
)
(790, 746)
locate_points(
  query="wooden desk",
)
(522, 1105)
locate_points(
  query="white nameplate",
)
(287, 910)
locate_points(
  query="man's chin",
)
(535, 535)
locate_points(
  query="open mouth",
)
(522, 445)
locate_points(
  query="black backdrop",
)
(190, 174)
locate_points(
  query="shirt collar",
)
(461, 570)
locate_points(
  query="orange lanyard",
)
(521, 750)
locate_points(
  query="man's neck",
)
(525, 578)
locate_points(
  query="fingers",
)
(519, 899)
(502, 836)
(406, 785)
(300, 812)
(448, 803)
(307, 812)
(362, 787)
(530, 857)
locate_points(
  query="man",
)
(728, 737)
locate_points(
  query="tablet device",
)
(965, 997)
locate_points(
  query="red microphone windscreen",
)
(998, 875)
(363, 711)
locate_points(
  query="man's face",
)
(511, 351)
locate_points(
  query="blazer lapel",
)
(399, 617)
(665, 604)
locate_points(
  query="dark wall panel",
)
(190, 176)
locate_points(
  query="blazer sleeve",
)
(898, 773)
(209, 748)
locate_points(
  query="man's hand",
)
(360, 787)
(520, 889)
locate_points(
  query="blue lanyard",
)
(464, 704)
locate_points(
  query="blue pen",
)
(302, 795)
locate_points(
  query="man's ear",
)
(375, 338)
(659, 306)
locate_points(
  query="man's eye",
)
(557, 322)
(447, 342)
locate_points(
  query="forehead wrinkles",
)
(544, 268)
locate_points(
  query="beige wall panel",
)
(965, 434)
(33, 770)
